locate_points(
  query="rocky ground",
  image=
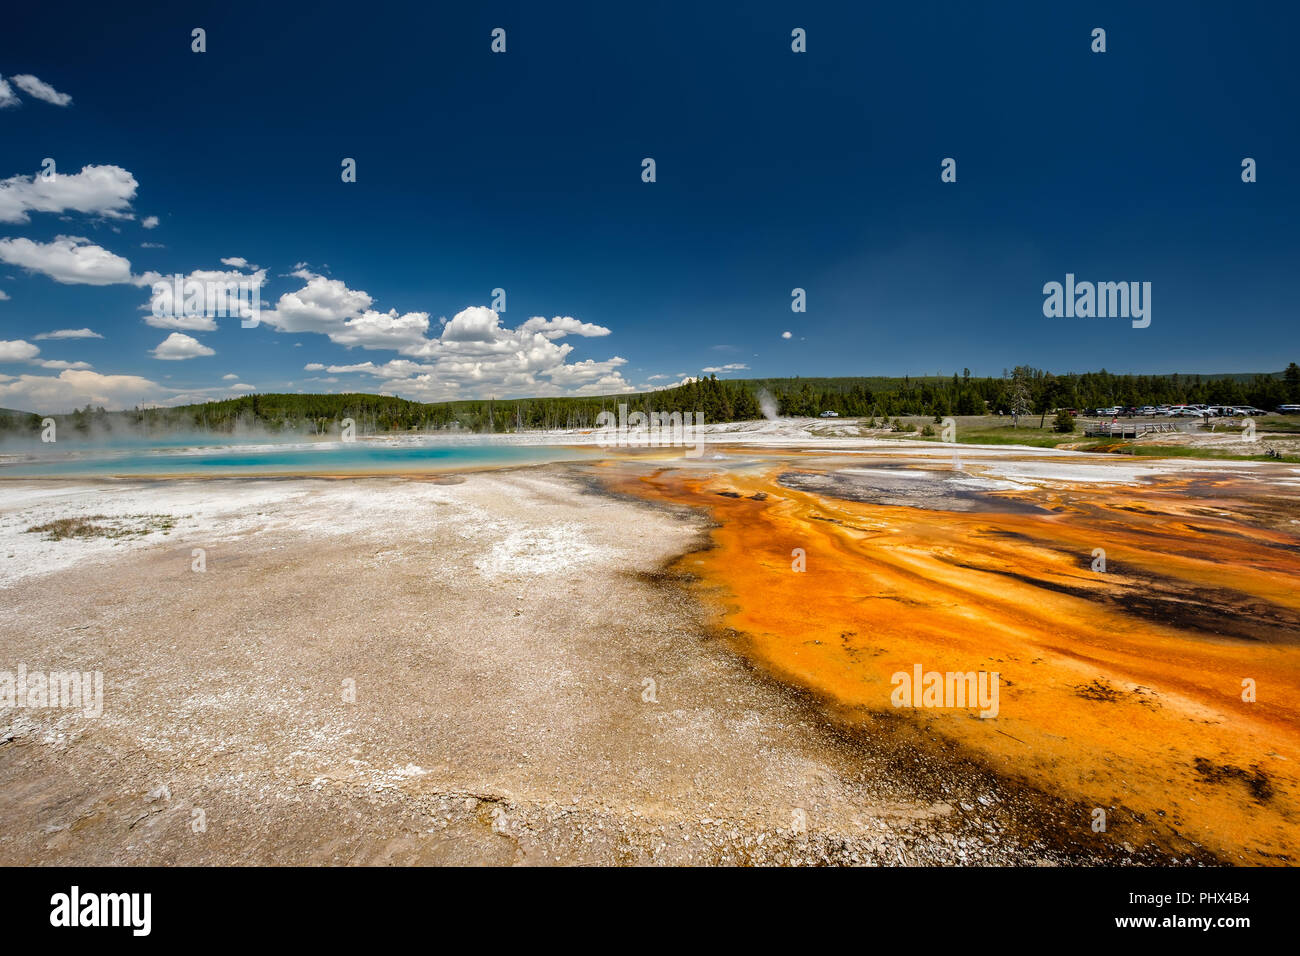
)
(491, 668)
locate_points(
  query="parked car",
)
(1288, 409)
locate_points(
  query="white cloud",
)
(16, 350)
(683, 380)
(218, 301)
(40, 89)
(96, 190)
(3, 295)
(229, 378)
(76, 388)
(383, 330)
(7, 95)
(178, 346)
(322, 305)
(737, 367)
(70, 260)
(152, 245)
(149, 222)
(785, 335)
(562, 325)
(475, 324)
(69, 334)
(241, 387)
(477, 355)
(370, 367)
(472, 350)
(587, 372)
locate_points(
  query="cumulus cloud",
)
(149, 222)
(97, 190)
(70, 260)
(17, 350)
(475, 324)
(472, 350)
(322, 305)
(588, 373)
(76, 388)
(68, 334)
(3, 295)
(7, 95)
(785, 335)
(178, 346)
(229, 378)
(561, 326)
(221, 297)
(383, 330)
(476, 355)
(713, 370)
(38, 88)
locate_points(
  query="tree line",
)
(1023, 390)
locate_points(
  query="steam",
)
(767, 405)
(114, 431)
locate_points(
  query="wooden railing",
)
(1126, 429)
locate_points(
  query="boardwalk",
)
(1126, 429)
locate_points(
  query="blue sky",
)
(523, 171)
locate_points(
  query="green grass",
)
(1178, 451)
(1034, 437)
(991, 430)
(1279, 426)
(62, 528)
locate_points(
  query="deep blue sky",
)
(775, 170)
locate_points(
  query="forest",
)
(1023, 389)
